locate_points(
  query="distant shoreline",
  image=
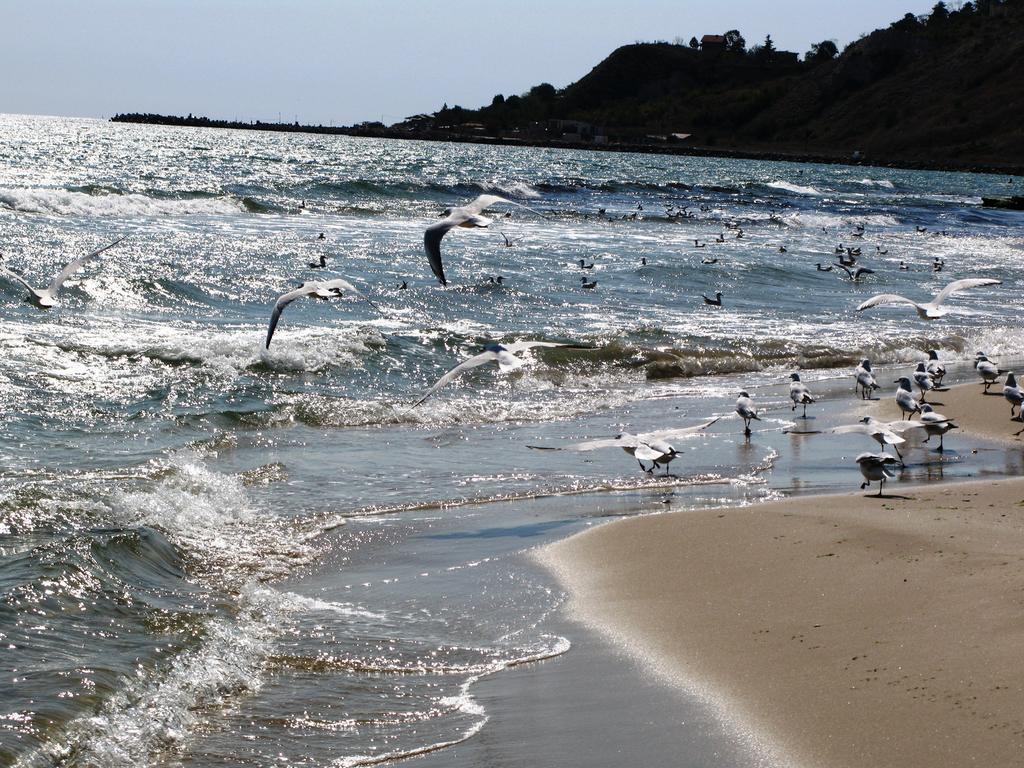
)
(651, 149)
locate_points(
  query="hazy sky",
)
(343, 61)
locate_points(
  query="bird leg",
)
(881, 485)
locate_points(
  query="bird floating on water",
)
(715, 302)
(47, 297)
(588, 284)
(857, 274)
(933, 309)
(319, 264)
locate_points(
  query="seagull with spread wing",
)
(932, 309)
(316, 289)
(464, 216)
(503, 354)
(47, 298)
(655, 447)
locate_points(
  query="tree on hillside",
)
(694, 43)
(940, 14)
(734, 41)
(543, 92)
(821, 52)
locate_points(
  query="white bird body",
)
(747, 412)
(468, 215)
(935, 423)
(923, 380)
(317, 289)
(905, 398)
(875, 467)
(47, 297)
(503, 354)
(865, 379)
(882, 432)
(799, 393)
(657, 447)
(935, 367)
(1013, 394)
(933, 309)
(988, 370)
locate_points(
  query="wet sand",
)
(841, 630)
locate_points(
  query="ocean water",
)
(214, 554)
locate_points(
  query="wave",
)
(65, 202)
(795, 188)
(877, 183)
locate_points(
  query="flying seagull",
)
(503, 354)
(463, 216)
(932, 309)
(47, 298)
(655, 447)
(882, 432)
(316, 289)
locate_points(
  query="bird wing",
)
(962, 285)
(521, 346)
(671, 434)
(458, 370)
(432, 245)
(844, 268)
(75, 265)
(890, 437)
(886, 298)
(622, 441)
(482, 203)
(284, 300)
(648, 453)
(341, 284)
(16, 277)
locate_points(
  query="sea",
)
(217, 554)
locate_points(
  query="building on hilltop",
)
(712, 43)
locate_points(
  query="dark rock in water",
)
(1014, 203)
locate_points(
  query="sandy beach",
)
(840, 630)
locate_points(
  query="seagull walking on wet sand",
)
(905, 397)
(1014, 395)
(799, 393)
(468, 215)
(315, 289)
(47, 297)
(747, 412)
(659, 448)
(988, 370)
(502, 354)
(875, 467)
(866, 382)
(932, 309)
(923, 379)
(935, 423)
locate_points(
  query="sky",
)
(338, 62)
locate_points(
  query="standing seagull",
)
(935, 367)
(865, 380)
(746, 411)
(655, 447)
(799, 393)
(1013, 394)
(923, 379)
(875, 466)
(988, 370)
(935, 423)
(932, 309)
(503, 354)
(464, 216)
(316, 289)
(47, 298)
(905, 397)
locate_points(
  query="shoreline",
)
(1008, 169)
(830, 630)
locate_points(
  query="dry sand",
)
(843, 630)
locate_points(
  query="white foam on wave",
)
(877, 183)
(65, 203)
(158, 709)
(795, 188)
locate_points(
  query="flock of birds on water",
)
(660, 448)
